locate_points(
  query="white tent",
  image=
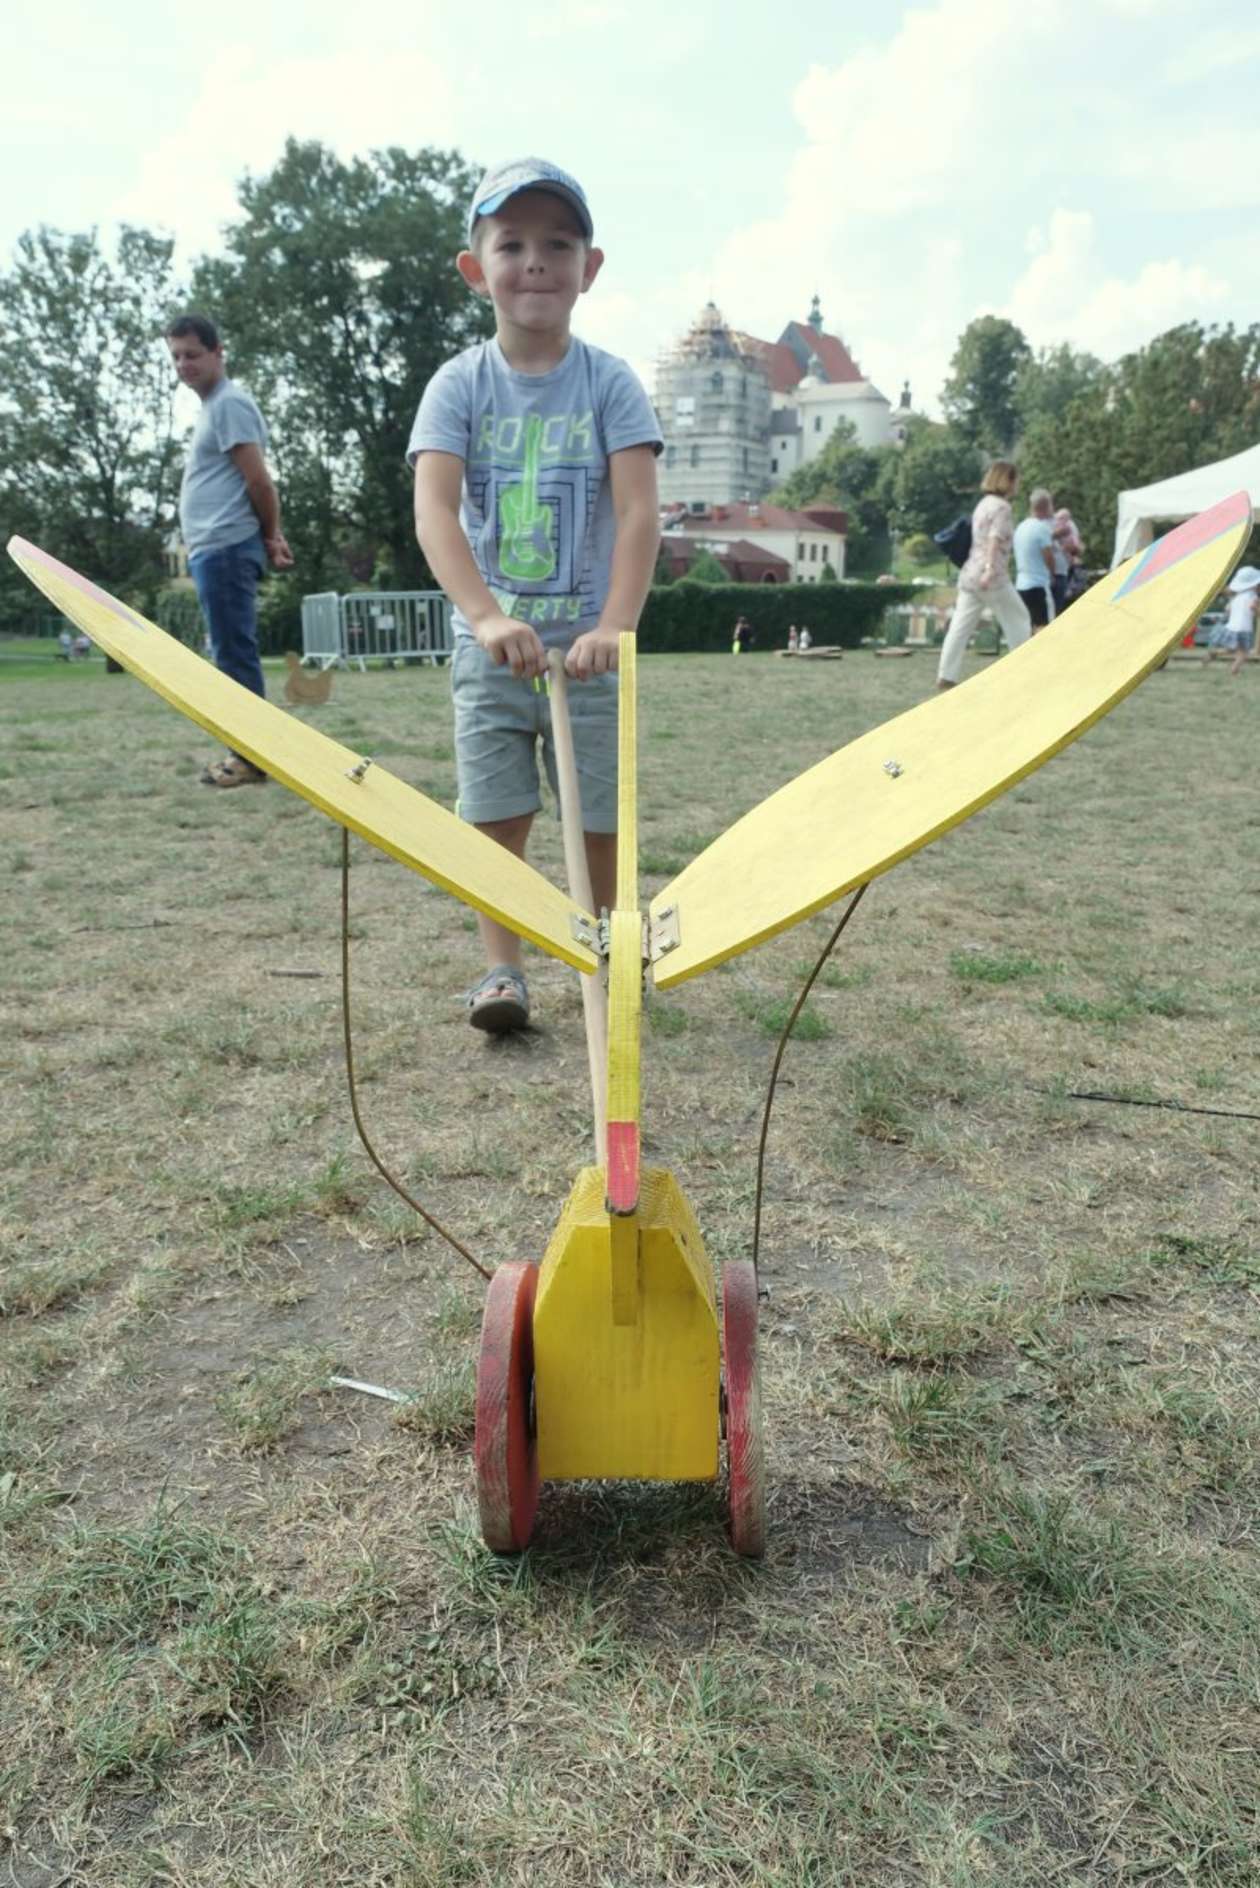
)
(1173, 499)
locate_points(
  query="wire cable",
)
(828, 947)
(1135, 1101)
(372, 1154)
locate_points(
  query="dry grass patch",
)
(1006, 1630)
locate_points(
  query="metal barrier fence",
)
(915, 623)
(923, 626)
(386, 626)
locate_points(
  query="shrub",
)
(697, 616)
(177, 611)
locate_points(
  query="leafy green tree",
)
(339, 299)
(88, 454)
(934, 476)
(1046, 383)
(853, 477)
(706, 569)
(979, 396)
(1188, 398)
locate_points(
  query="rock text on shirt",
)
(505, 439)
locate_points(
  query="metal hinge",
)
(590, 932)
(664, 932)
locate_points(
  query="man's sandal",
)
(234, 771)
(500, 1002)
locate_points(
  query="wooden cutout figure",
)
(312, 688)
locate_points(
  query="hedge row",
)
(689, 615)
(678, 616)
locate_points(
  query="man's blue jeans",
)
(227, 590)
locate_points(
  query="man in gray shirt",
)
(230, 517)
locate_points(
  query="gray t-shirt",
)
(1032, 537)
(536, 505)
(214, 507)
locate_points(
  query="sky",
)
(1089, 168)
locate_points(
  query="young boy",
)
(535, 470)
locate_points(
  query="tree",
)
(1046, 383)
(934, 475)
(979, 396)
(704, 568)
(1191, 396)
(88, 455)
(339, 300)
(851, 476)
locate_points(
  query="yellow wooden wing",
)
(371, 802)
(892, 791)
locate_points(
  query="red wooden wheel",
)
(745, 1450)
(505, 1449)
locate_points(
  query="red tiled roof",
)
(779, 361)
(745, 562)
(724, 519)
(782, 357)
(830, 517)
(836, 361)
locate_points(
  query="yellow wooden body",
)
(378, 806)
(638, 1399)
(892, 791)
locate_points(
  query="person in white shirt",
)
(1240, 626)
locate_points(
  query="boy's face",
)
(532, 261)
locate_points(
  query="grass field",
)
(1008, 1628)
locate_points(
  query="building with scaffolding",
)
(740, 414)
(713, 401)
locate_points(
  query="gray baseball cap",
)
(528, 173)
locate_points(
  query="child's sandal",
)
(500, 1002)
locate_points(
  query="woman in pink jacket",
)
(984, 581)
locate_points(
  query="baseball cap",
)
(528, 173)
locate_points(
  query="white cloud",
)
(249, 104)
(1063, 294)
(893, 127)
(923, 159)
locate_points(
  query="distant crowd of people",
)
(1048, 575)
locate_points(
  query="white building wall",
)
(821, 404)
(805, 552)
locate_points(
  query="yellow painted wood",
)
(380, 808)
(639, 1400)
(628, 773)
(892, 791)
(625, 1006)
(625, 1296)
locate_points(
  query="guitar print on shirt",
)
(526, 551)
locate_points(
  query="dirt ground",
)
(1007, 1628)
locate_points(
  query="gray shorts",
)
(499, 722)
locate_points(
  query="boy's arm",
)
(632, 479)
(439, 476)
